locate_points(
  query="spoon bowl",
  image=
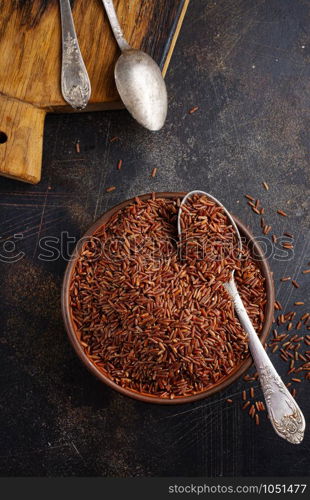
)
(202, 193)
(142, 89)
(138, 78)
(284, 413)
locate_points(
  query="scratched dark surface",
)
(245, 63)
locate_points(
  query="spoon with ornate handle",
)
(75, 84)
(284, 413)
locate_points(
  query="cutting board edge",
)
(175, 37)
(113, 104)
(21, 153)
(25, 159)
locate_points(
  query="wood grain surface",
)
(30, 63)
(21, 153)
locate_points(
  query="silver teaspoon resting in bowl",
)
(138, 79)
(285, 414)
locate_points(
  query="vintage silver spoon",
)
(75, 84)
(284, 413)
(138, 79)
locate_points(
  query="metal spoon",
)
(138, 79)
(284, 413)
(75, 84)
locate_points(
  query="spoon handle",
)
(116, 28)
(284, 413)
(75, 84)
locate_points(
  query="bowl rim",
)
(148, 398)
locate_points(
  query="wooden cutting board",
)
(30, 65)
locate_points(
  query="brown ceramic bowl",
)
(234, 375)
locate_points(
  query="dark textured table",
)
(245, 63)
